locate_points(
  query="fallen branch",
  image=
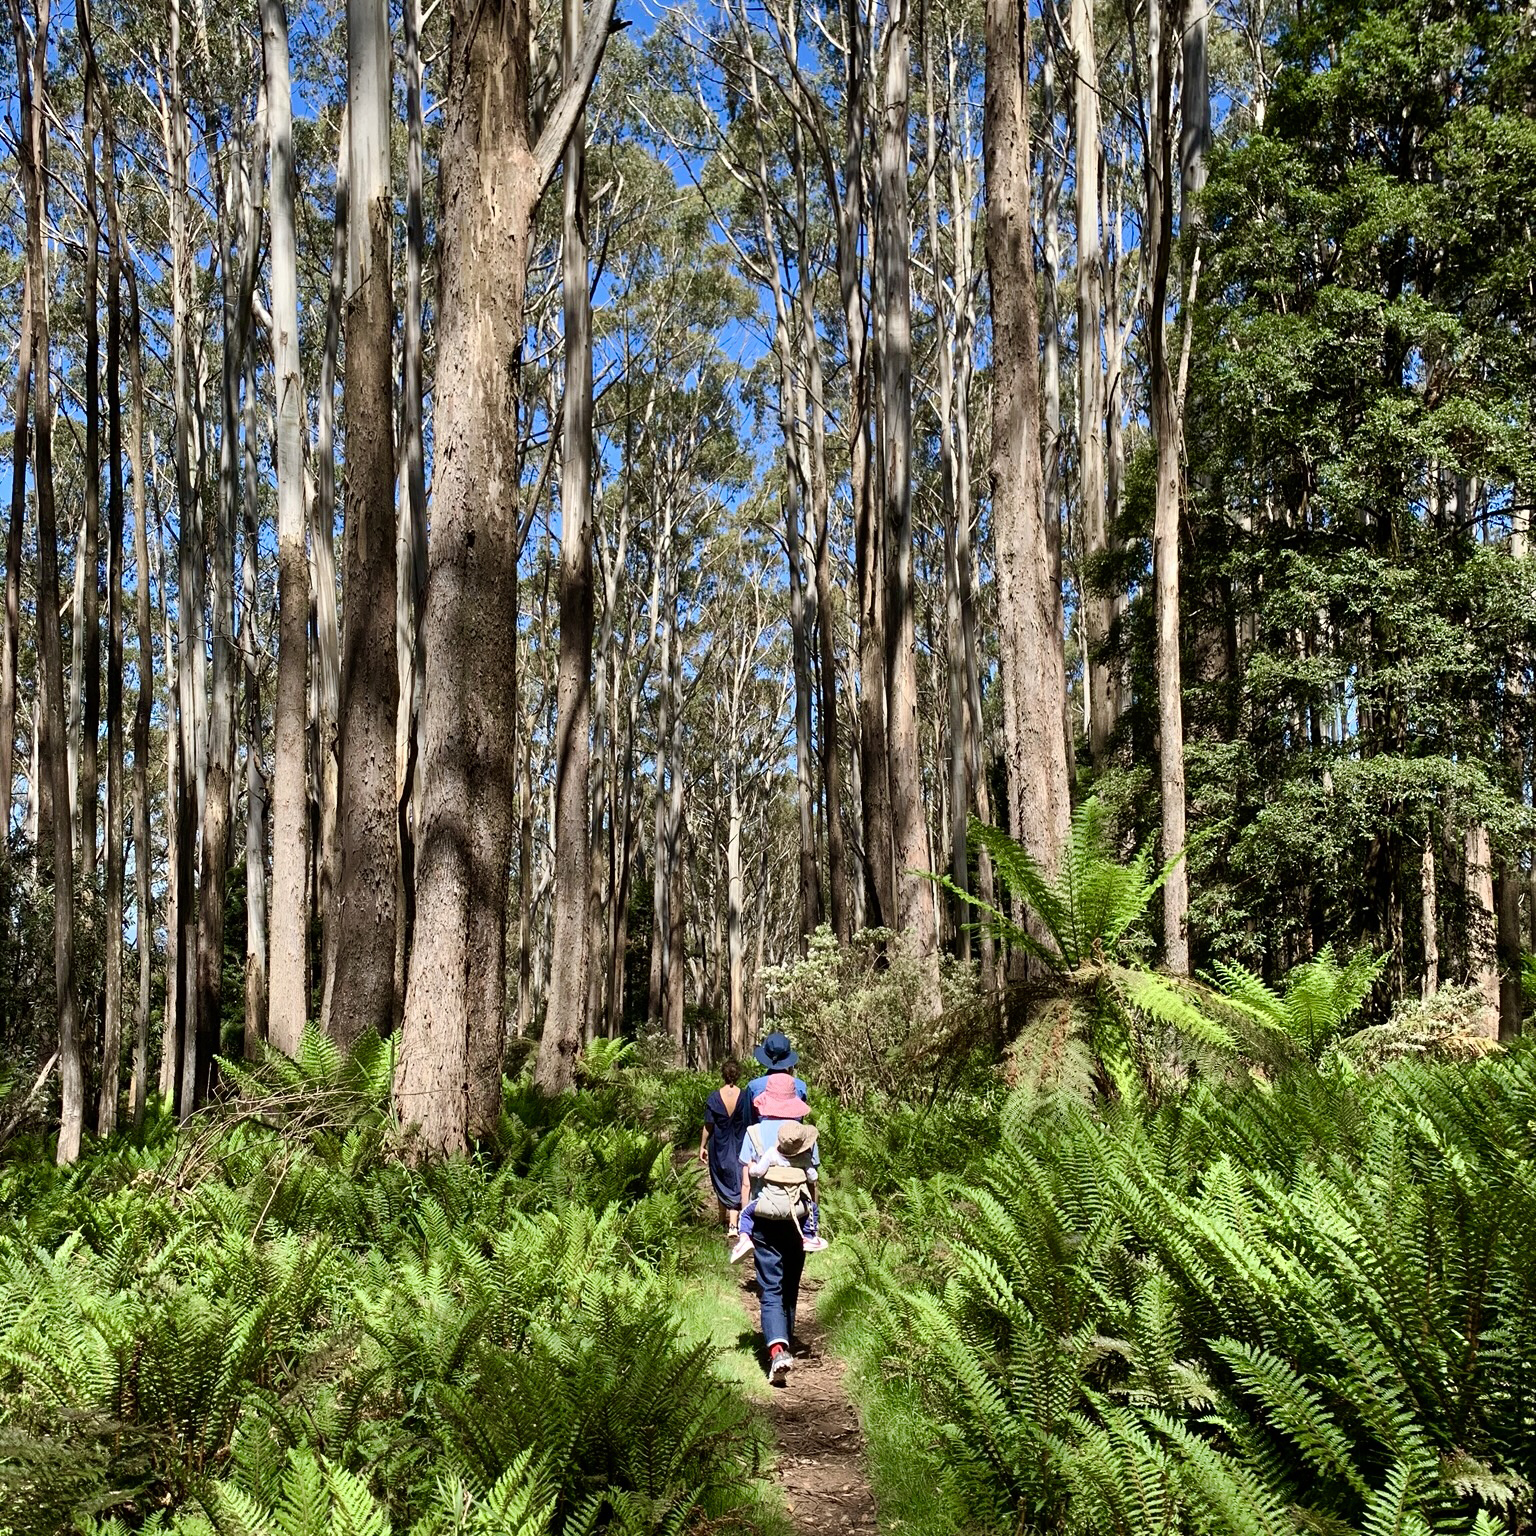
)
(26, 1103)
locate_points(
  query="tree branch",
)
(572, 102)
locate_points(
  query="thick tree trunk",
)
(448, 1085)
(875, 801)
(53, 760)
(914, 894)
(820, 512)
(1194, 109)
(411, 551)
(360, 967)
(1029, 600)
(112, 936)
(565, 1019)
(288, 1003)
(948, 327)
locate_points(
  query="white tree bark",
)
(288, 969)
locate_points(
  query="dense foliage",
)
(1359, 596)
(1300, 1308)
(270, 1324)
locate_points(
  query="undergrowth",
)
(268, 1323)
(1306, 1306)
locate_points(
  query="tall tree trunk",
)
(360, 967)
(525, 894)
(86, 620)
(289, 970)
(914, 895)
(411, 554)
(565, 1019)
(1165, 533)
(189, 588)
(735, 900)
(677, 837)
(1098, 611)
(326, 676)
(240, 229)
(256, 981)
(1029, 600)
(875, 799)
(170, 1038)
(9, 658)
(448, 1084)
(948, 326)
(820, 511)
(53, 760)
(112, 1013)
(800, 655)
(143, 858)
(1195, 109)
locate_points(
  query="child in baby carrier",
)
(789, 1190)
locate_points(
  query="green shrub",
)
(854, 1011)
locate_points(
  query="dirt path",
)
(821, 1448)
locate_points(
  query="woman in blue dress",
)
(725, 1123)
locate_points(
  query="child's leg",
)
(810, 1229)
(744, 1221)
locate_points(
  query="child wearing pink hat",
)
(778, 1163)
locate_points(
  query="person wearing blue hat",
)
(775, 1054)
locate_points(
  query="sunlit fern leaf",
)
(1295, 1408)
(522, 1502)
(1167, 1003)
(1394, 1509)
(354, 1510)
(1484, 1524)
(1225, 1494)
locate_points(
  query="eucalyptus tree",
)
(360, 962)
(289, 992)
(565, 1023)
(496, 164)
(1028, 592)
(52, 754)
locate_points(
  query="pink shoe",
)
(742, 1249)
(814, 1244)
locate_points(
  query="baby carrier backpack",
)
(786, 1191)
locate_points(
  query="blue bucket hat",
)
(776, 1053)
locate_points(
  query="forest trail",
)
(820, 1466)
